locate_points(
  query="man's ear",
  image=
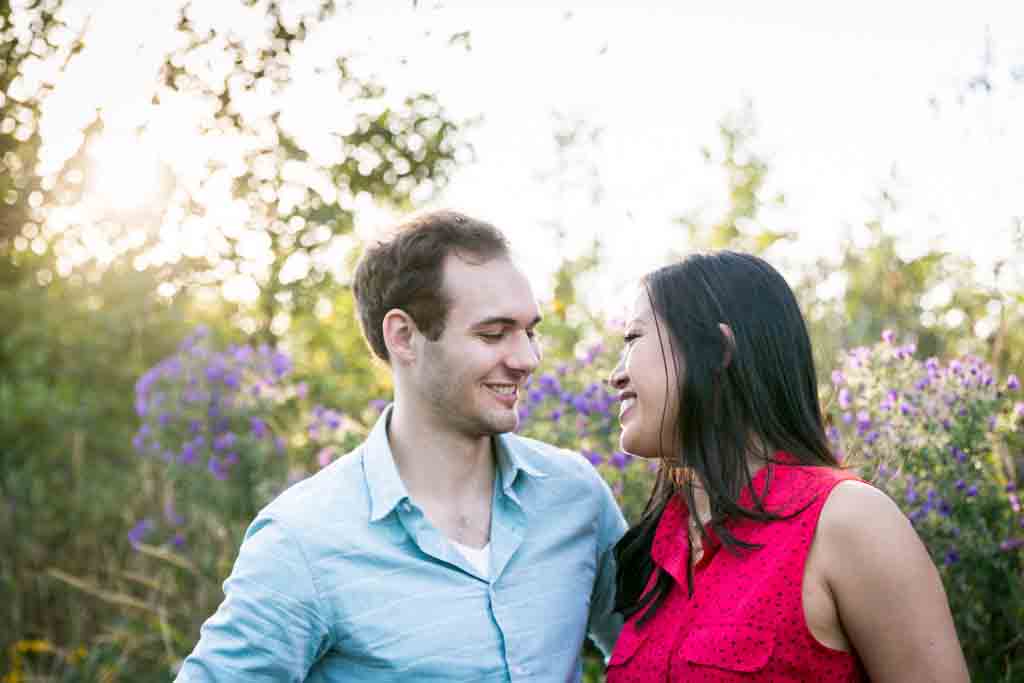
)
(400, 333)
(730, 344)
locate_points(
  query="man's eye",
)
(491, 336)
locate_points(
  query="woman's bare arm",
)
(887, 590)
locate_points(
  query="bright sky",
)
(840, 95)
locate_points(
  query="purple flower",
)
(224, 441)
(844, 398)
(188, 454)
(911, 494)
(972, 491)
(279, 444)
(838, 378)
(960, 484)
(871, 437)
(171, 515)
(952, 557)
(833, 434)
(1018, 409)
(958, 454)
(619, 460)
(1011, 544)
(594, 457)
(302, 390)
(178, 541)
(535, 396)
(379, 404)
(232, 380)
(215, 370)
(932, 365)
(888, 336)
(259, 427)
(550, 384)
(231, 458)
(581, 405)
(1012, 383)
(140, 531)
(280, 364)
(216, 468)
(555, 415)
(139, 440)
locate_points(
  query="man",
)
(444, 548)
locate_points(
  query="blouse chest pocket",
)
(724, 652)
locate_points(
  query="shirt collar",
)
(671, 534)
(512, 459)
(382, 480)
(385, 485)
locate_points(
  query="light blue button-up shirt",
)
(342, 578)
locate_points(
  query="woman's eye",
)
(630, 337)
(491, 336)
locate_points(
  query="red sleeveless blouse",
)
(745, 621)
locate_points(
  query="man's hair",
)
(406, 271)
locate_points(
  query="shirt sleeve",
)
(604, 623)
(271, 625)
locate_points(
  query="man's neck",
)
(435, 462)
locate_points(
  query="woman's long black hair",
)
(752, 394)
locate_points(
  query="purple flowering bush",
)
(934, 436)
(212, 432)
(569, 405)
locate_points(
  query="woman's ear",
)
(730, 344)
(399, 335)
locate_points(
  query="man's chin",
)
(500, 422)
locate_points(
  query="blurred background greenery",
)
(114, 548)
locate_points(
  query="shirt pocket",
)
(627, 646)
(725, 652)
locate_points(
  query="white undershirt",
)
(480, 558)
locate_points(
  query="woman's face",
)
(646, 381)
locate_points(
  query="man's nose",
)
(526, 354)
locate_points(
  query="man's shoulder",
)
(322, 495)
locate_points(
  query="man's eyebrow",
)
(505, 321)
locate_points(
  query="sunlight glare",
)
(125, 174)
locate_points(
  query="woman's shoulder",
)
(856, 515)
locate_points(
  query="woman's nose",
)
(618, 379)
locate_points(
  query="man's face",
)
(473, 375)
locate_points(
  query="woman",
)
(757, 557)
